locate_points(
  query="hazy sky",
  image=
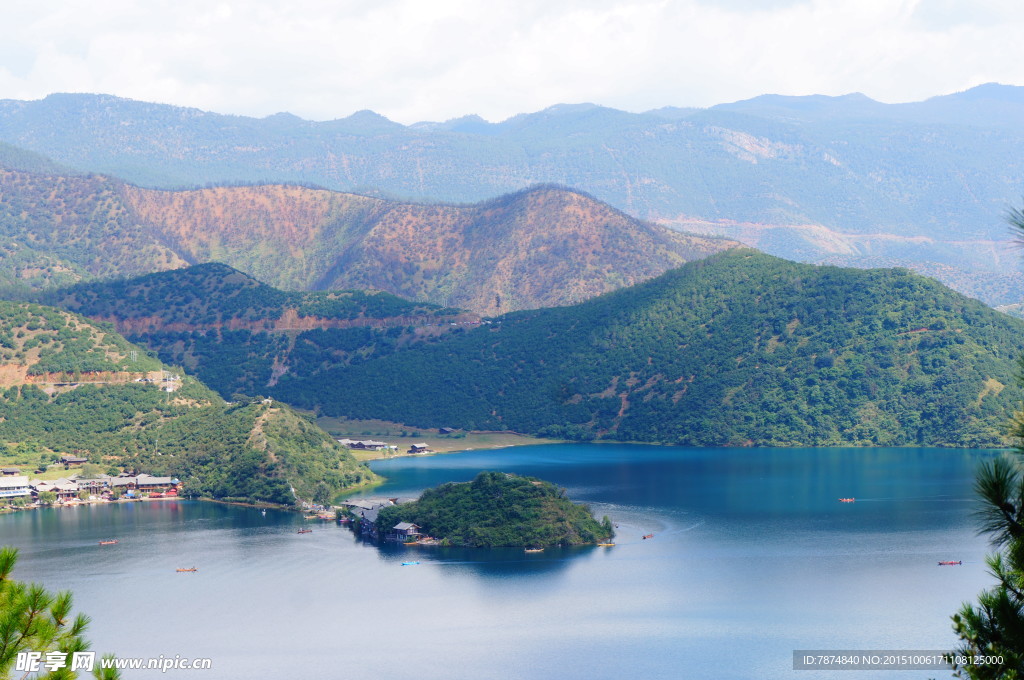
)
(415, 60)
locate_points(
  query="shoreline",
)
(373, 455)
(366, 456)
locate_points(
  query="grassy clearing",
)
(52, 472)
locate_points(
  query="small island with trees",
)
(499, 509)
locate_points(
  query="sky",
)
(419, 60)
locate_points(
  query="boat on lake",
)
(534, 550)
(188, 569)
(950, 563)
(305, 531)
(409, 564)
(605, 545)
(847, 500)
(111, 541)
(646, 536)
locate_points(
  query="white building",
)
(11, 487)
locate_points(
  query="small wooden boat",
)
(847, 500)
(305, 531)
(112, 541)
(950, 563)
(189, 569)
(409, 564)
(534, 550)
(648, 536)
(605, 545)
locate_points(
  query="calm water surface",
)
(753, 557)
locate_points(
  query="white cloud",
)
(413, 60)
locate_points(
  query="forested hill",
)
(498, 509)
(540, 247)
(738, 349)
(215, 296)
(69, 386)
(240, 336)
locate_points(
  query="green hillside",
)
(215, 294)
(69, 386)
(240, 336)
(739, 349)
(498, 509)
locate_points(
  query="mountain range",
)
(740, 348)
(843, 180)
(737, 349)
(603, 326)
(540, 247)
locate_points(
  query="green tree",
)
(322, 494)
(995, 625)
(34, 620)
(47, 497)
(91, 471)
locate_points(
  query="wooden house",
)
(404, 532)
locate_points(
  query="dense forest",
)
(132, 418)
(498, 509)
(739, 349)
(216, 295)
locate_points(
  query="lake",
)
(753, 557)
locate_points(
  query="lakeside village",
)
(374, 445)
(18, 490)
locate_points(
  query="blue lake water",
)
(752, 557)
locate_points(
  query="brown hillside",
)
(540, 247)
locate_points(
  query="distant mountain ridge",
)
(916, 184)
(540, 247)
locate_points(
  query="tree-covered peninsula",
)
(498, 509)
